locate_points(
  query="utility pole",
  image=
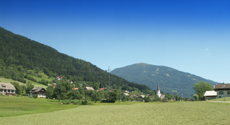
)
(109, 78)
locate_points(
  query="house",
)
(54, 84)
(222, 90)
(127, 94)
(133, 96)
(89, 88)
(76, 88)
(7, 89)
(210, 94)
(102, 89)
(59, 78)
(38, 91)
(142, 96)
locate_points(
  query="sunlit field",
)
(14, 106)
(140, 113)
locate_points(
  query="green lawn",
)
(20, 83)
(14, 106)
(221, 99)
(197, 112)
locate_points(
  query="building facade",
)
(38, 91)
(159, 92)
(222, 90)
(7, 89)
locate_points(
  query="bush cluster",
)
(75, 102)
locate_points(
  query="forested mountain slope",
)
(169, 79)
(16, 50)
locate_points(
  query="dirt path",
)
(220, 101)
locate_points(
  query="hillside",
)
(169, 79)
(22, 58)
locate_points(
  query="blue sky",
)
(189, 35)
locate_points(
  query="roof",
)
(76, 88)
(102, 88)
(89, 88)
(222, 86)
(8, 86)
(210, 93)
(37, 89)
(162, 96)
(142, 96)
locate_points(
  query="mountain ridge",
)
(17, 50)
(170, 80)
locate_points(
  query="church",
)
(159, 92)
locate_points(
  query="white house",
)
(89, 88)
(7, 89)
(38, 91)
(210, 94)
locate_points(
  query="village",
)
(220, 90)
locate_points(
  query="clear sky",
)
(189, 35)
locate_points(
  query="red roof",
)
(76, 88)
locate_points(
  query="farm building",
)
(210, 94)
(223, 90)
(39, 91)
(89, 88)
(7, 89)
(220, 90)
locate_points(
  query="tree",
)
(60, 91)
(176, 97)
(200, 88)
(195, 97)
(96, 86)
(23, 88)
(17, 87)
(29, 86)
(49, 92)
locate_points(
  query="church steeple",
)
(158, 91)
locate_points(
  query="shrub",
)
(86, 102)
(76, 102)
(35, 96)
(24, 94)
(65, 101)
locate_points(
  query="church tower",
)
(158, 91)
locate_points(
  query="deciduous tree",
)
(200, 88)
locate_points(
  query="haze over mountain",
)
(16, 50)
(169, 79)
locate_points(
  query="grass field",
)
(221, 99)
(20, 83)
(125, 113)
(14, 106)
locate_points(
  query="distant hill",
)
(19, 55)
(169, 79)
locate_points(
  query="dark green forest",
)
(19, 54)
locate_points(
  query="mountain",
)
(19, 56)
(169, 79)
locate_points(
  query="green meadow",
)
(15, 106)
(50, 112)
(20, 83)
